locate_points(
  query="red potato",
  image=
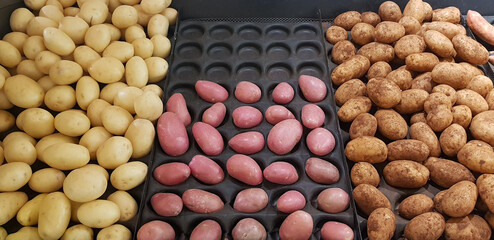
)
(247, 92)
(336, 231)
(176, 104)
(206, 170)
(156, 230)
(211, 91)
(172, 134)
(171, 174)
(312, 116)
(244, 169)
(281, 173)
(208, 138)
(247, 142)
(249, 229)
(284, 136)
(206, 230)
(480, 26)
(214, 115)
(283, 93)
(297, 226)
(320, 141)
(290, 201)
(167, 204)
(333, 200)
(321, 171)
(251, 200)
(313, 89)
(200, 201)
(278, 113)
(246, 117)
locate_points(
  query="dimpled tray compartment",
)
(265, 53)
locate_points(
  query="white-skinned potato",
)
(36, 25)
(47, 141)
(148, 106)
(116, 231)
(109, 92)
(125, 98)
(98, 37)
(157, 69)
(19, 19)
(28, 68)
(10, 55)
(14, 175)
(66, 156)
(107, 70)
(19, 150)
(85, 56)
(141, 134)
(126, 203)
(60, 98)
(95, 12)
(98, 213)
(116, 120)
(54, 215)
(87, 90)
(28, 214)
(78, 231)
(65, 72)
(10, 203)
(44, 60)
(36, 122)
(120, 50)
(143, 47)
(158, 24)
(124, 16)
(46, 180)
(136, 72)
(75, 28)
(17, 39)
(32, 46)
(23, 91)
(57, 41)
(72, 123)
(114, 152)
(84, 184)
(161, 46)
(129, 175)
(94, 111)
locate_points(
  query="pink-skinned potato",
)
(284, 136)
(321, 171)
(251, 200)
(283, 93)
(290, 201)
(281, 173)
(214, 115)
(332, 230)
(249, 229)
(171, 174)
(156, 230)
(244, 169)
(176, 104)
(200, 201)
(333, 200)
(206, 230)
(277, 113)
(246, 117)
(247, 92)
(320, 141)
(313, 89)
(211, 91)
(208, 138)
(298, 225)
(172, 134)
(247, 142)
(206, 170)
(167, 204)
(312, 116)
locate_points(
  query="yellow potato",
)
(66, 156)
(129, 175)
(141, 134)
(115, 33)
(46, 180)
(67, 3)
(37, 122)
(157, 69)
(136, 72)
(116, 120)
(75, 28)
(113, 4)
(158, 24)
(171, 14)
(19, 19)
(85, 56)
(94, 111)
(143, 47)
(54, 216)
(18, 135)
(114, 152)
(162, 46)
(72, 123)
(142, 17)
(28, 214)
(60, 98)
(37, 25)
(98, 213)
(10, 56)
(65, 72)
(148, 106)
(84, 184)
(153, 6)
(7, 120)
(17, 39)
(19, 150)
(44, 60)
(78, 231)
(116, 231)
(30, 233)
(126, 203)
(55, 3)
(10, 203)
(134, 32)
(57, 41)
(4, 101)
(52, 12)
(93, 12)
(28, 68)
(125, 98)
(93, 139)
(124, 16)
(154, 88)
(98, 37)
(109, 92)
(122, 51)
(14, 175)
(96, 167)
(86, 90)
(107, 70)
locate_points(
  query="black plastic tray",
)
(265, 52)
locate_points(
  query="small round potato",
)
(388, 32)
(72, 123)
(157, 69)
(36, 122)
(371, 18)
(60, 98)
(23, 91)
(390, 11)
(415, 205)
(84, 184)
(462, 115)
(148, 106)
(124, 16)
(368, 198)
(143, 47)
(363, 125)
(94, 12)
(363, 172)
(362, 33)
(78, 231)
(98, 37)
(10, 55)
(116, 119)
(75, 28)
(20, 18)
(161, 46)
(409, 44)
(348, 19)
(336, 34)
(141, 134)
(402, 77)
(127, 204)
(342, 51)
(125, 98)
(129, 175)
(411, 25)
(114, 152)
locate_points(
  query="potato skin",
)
(335, 34)
(371, 18)
(355, 67)
(457, 201)
(381, 224)
(411, 25)
(342, 51)
(379, 69)
(408, 149)
(489, 98)
(481, 84)
(391, 124)
(470, 50)
(362, 33)
(409, 44)
(418, 117)
(481, 126)
(406, 174)
(477, 156)
(415, 9)
(424, 82)
(364, 172)
(462, 115)
(353, 107)
(446, 28)
(412, 101)
(368, 198)
(376, 52)
(349, 90)
(363, 125)
(473, 100)
(415, 205)
(348, 19)
(390, 11)
(439, 44)
(452, 74)
(485, 184)
(422, 132)
(429, 225)
(446, 173)
(452, 139)
(439, 118)
(446, 90)
(402, 77)
(468, 227)
(383, 92)
(366, 149)
(421, 62)
(388, 32)
(449, 14)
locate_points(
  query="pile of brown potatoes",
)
(78, 105)
(409, 87)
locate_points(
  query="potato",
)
(11, 57)
(10, 203)
(470, 50)
(415, 205)
(54, 215)
(36, 122)
(66, 156)
(75, 28)
(408, 149)
(354, 107)
(19, 19)
(58, 42)
(378, 69)
(120, 50)
(28, 214)
(211, 91)
(342, 51)
(484, 185)
(321, 171)
(116, 120)
(60, 98)
(85, 56)
(313, 89)
(85, 184)
(428, 225)
(371, 18)
(335, 34)
(98, 213)
(71, 11)
(46, 180)
(446, 28)
(421, 62)
(366, 149)
(409, 44)
(349, 90)
(377, 52)
(452, 139)
(480, 126)
(462, 115)
(381, 224)
(275, 114)
(290, 202)
(65, 72)
(200, 201)
(339, 230)
(116, 231)
(312, 116)
(141, 134)
(347, 20)
(457, 201)
(78, 231)
(247, 142)
(206, 170)
(283, 93)
(23, 91)
(114, 152)
(355, 67)
(446, 90)
(449, 14)
(24, 233)
(469, 227)
(390, 11)
(98, 37)
(439, 44)
(171, 127)
(362, 33)
(93, 139)
(161, 46)
(247, 92)
(127, 204)
(297, 225)
(44, 60)
(126, 97)
(143, 47)
(333, 200)
(246, 117)
(424, 82)
(14, 175)
(17, 39)
(251, 200)
(411, 25)
(415, 9)
(166, 204)
(290, 138)
(19, 150)
(36, 25)
(280, 173)
(438, 100)
(158, 24)
(107, 70)
(473, 100)
(124, 16)
(418, 117)
(248, 228)
(28, 68)
(208, 138)
(388, 32)
(402, 77)
(391, 124)
(172, 173)
(51, 139)
(383, 92)
(480, 84)
(320, 141)
(207, 229)
(439, 118)
(72, 123)
(155, 230)
(364, 173)
(406, 174)
(412, 101)
(446, 173)
(129, 175)
(244, 169)
(215, 114)
(477, 156)
(94, 12)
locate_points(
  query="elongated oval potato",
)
(14, 175)
(277, 113)
(439, 44)
(116, 231)
(167, 204)
(176, 104)
(215, 114)
(120, 50)
(477, 156)
(141, 134)
(84, 184)
(350, 89)
(72, 123)
(129, 175)
(19, 19)
(98, 213)
(244, 169)
(46, 180)
(10, 57)
(415, 205)
(116, 120)
(171, 127)
(457, 201)
(29, 213)
(207, 229)
(158, 24)
(473, 100)
(452, 139)
(93, 139)
(66, 156)
(211, 91)
(47, 141)
(10, 203)
(143, 47)
(366, 149)
(251, 200)
(312, 116)
(126, 98)
(247, 92)
(283, 137)
(281, 173)
(391, 124)
(313, 89)
(353, 68)
(85, 56)
(248, 228)
(208, 138)
(206, 170)
(383, 92)
(24, 233)
(54, 216)
(23, 91)
(368, 198)
(58, 42)
(297, 225)
(136, 72)
(126, 203)
(200, 201)
(107, 70)
(75, 28)
(470, 50)
(157, 69)
(36, 25)
(161, 46)
(98, 37)
(60, 98)
(446, 173)
(406, 174)
(246, 117)
(388, 32)
(148, 105)
(87, 90)
(65, 72)
(78, 231)
(19, 150)
(321, 171)
(44, 60)
(381, 224)
(377, 52)
(452, 74)
(247, 142)
(422, 132)
(408, 149)
(28, 68)
(172, 173)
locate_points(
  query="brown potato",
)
(439, 118)
(342, 51)
(439, 44)
(355, 67)
(473, 100)
(481, 127)
(449, 14)
(371, 18)
(362, 33)
(406, 174)
(446, 173)
(349, 90)
(462, 115)
(428, 12)
(424, 82)
(388, 32)
(381, 224)
(472, 69)
(481, 84)
(383, 92)
(376, 52)
(428, 225)
(448, 29)
(411, 25)
(408, 149)
(422, 132)
(363, 125)
(421, 62)
(348, 19)
(368, 198)
(489, 217)
(485, 184)
(353, 107)
(457, 201)
(409, 44)
(412, 101)
(477, 156)
(366, 149)
(379, 69)
(418, 117)
(452, 74)
(415, 205)
(335, 34)
(364, 172)
(489, 98)
(415, 9)
(402, 77)
(470, 50)
(468, 227)
(452, 139)
(391, 124)
(446, 90)
(390, 11)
